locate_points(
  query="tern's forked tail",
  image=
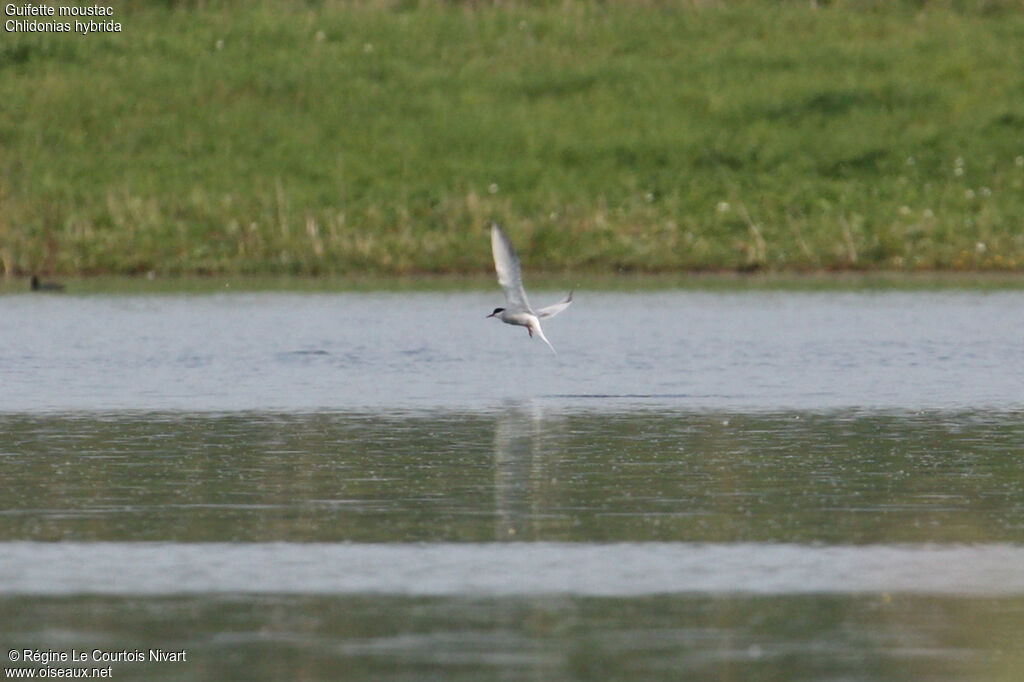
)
(535, 327)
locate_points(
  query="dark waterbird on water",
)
(517, 309)
(38, 285)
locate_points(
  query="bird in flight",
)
(517, 308)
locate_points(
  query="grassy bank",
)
(373, 137)
(543, 285)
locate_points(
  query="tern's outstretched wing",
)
(555, 308)
(510, 276)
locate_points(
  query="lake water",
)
(280, 352)
(766, 485)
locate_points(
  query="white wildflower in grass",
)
(722, 207)
(904, 210)
(911, 161)
(649, 197)
(980, 247)
(969, 194)
(928, 213)
(986, 192)
(493, 188)
(320, 36)
(367, 48)
(959, 163)
(1019, 161)
(958, 171)
(220, 44)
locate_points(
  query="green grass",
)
(377, 138)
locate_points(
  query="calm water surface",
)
(424, 351)
(388, 486)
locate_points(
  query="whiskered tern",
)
(517, 308)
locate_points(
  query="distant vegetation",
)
(281, 137)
